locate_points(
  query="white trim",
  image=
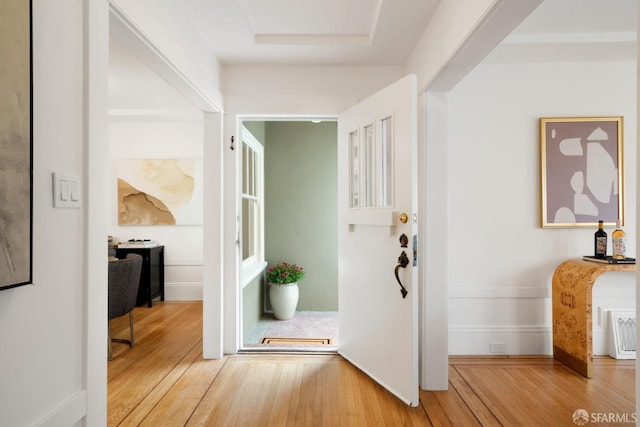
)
(498, 292)
(123, 115)
(67, 414)
(183, 262)
(255, 264)
(286, 117)
(91, 403)
(211, 104)
(213, 253)
(570, 38)
(434, 256)
(499, 329)
(183, 291)
(477, 339)
(492, 292)
(128, 33)
(312, 39)
(232, 295)
(251, 271)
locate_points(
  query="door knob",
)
(403, 218)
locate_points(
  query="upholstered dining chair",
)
(124, 279)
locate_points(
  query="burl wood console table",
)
(572, 284)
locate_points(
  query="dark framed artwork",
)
(15, 144)
(581, 164)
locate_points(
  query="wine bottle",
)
(600, 242)
(619, 240)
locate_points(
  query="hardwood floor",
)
(163, 381)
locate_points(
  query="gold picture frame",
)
(581, 171)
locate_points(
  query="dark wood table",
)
(152, 275)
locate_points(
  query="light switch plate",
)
(66, 191)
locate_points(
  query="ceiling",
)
(573, 30)
(353, 32)
(375, 32)
(385, 32)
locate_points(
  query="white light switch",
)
(74, 191)
(66, 191)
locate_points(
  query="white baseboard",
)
(517, 340)
(69, 413)
(520, 317)
(463, 292)
(183, 291)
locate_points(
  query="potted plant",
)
(283, 281)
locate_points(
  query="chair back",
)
(124, 280)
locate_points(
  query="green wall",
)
(301, 206)
(252, 304)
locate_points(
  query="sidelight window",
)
(251, 239)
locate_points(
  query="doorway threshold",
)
(296, 351)
(307, 331)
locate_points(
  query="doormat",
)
(296, 341)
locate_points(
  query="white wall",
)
(43, 326)
(162, 138)
(500, 259)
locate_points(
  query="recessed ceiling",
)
(309, 32)
(312, 22)
(374, 33)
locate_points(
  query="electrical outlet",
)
(496, 347)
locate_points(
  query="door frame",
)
(233, 303)
(210, 104)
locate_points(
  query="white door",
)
(377, 203)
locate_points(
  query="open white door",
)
(377, 228)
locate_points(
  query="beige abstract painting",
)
(15, 144)
(159, 192)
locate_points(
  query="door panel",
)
(378, 322)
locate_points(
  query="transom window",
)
(371, 166)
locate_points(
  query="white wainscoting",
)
(69, 413)
(183, 280)
(520, 317)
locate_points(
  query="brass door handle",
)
(403, 261)
(403, 217)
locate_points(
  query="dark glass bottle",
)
(600, 242)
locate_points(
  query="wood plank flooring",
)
(164, 381)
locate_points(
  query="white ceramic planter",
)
(284, 299)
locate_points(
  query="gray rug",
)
(306, 331)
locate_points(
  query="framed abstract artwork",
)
(159, 191)
(581, 170)
(15, 144)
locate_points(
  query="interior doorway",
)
(299, 204)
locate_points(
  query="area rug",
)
(306, 331)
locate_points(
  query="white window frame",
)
(255, 264)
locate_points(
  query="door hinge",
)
(233, 139)
(415, 250)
